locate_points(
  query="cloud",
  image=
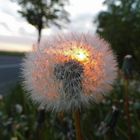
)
(80, 7)
(14, 28)
(17, 39)
(82, 23)
(15, 24)
(82, 13)
(10, 8)
(5, 26)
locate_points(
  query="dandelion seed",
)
(69, 72)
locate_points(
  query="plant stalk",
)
(126, 106)
(76, 116)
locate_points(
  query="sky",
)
(16, 34)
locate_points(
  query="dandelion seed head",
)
(69, 71)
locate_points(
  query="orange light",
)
(78, 54)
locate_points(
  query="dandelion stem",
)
(126, 106)
(76, 116)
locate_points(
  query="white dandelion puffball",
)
(69, 71)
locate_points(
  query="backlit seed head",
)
(69, 71)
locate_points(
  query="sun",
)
(81, 55)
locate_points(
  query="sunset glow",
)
(14, 47)
(79, 54)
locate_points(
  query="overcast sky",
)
(14, 29)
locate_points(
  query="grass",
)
(33, 124)
(12, 53)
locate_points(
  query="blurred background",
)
(24, 22)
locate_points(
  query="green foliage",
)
(119, 25)
(26, 124)
(42, 13)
